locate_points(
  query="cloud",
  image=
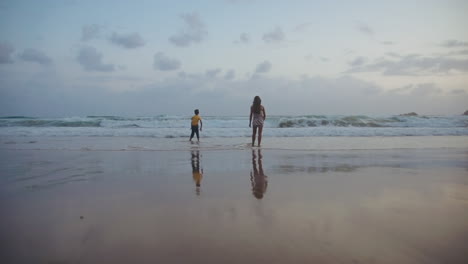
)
(6, 50)
(194, 32)
(180, 94)
(425, 89)
(33, 55)
(417, 90)
(458, 91)
(164, 63)
(393, 54)
(275, 36)
(89, 32)
(243, 38)
(302, 27)
(263, 67)
(358, 61)
(461, 52)
(90, 60)
(388, 43)
(311, 57)
(363, 28)
(413, 64)
(401, 90)
(129, 41)
(212, 73)
(452, 43)
(231, 74)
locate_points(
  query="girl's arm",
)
(264, 113)
(250, 119)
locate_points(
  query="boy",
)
(195, 120)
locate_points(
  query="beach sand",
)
(252, 206)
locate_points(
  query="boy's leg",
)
(198, 134)
(193, 133)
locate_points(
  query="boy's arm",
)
(201, 125)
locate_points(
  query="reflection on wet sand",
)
(137, 213)
(197, 172)
(48, 174)
(257, 177)
(311, 169)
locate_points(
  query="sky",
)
(62, 58)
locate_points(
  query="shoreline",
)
(239, 143)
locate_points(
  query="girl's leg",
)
(260, 129)
(254, 133)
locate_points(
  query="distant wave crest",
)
(166, 126)
(346, 121)
(26, 122)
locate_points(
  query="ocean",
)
(166, 126)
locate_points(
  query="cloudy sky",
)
(78, 58)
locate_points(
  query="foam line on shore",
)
(214, 144)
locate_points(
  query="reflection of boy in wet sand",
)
(257, 177)
(197, 173)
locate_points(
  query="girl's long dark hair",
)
(257, 103)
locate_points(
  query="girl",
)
(257, 111)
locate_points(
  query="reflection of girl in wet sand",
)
(257, 177)
(197, 173)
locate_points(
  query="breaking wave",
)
(346, 121)
(166, 126)
(31, 122)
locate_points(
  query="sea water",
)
(159, 133)
(165, 126)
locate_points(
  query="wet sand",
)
(251, 206)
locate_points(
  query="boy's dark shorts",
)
(195, 128)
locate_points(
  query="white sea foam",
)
(237, 126)
(231, 143)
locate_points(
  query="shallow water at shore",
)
(236, 143)
(252, 206)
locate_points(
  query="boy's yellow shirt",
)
(195, 120)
